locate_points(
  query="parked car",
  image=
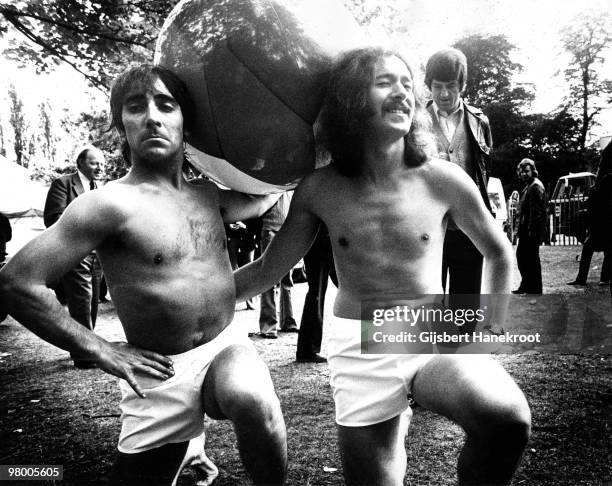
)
(567, 206)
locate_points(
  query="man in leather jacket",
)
(462, 137)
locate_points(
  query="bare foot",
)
(206, 471)
(405, 419)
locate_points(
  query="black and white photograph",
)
(305, 242)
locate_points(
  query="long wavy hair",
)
(345, 111)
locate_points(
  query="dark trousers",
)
(319, 265)
(268, 319)
(155, 467)
(462, 266)
(81, 287)
(588, 248)
(528, 260)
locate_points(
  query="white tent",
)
(19, 195)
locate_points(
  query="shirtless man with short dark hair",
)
(162, 246)
(386, 205)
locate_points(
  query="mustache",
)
(397, 105)
(153, 134)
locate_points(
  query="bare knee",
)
(507, 421)
(373, 454)
(254, 406)
(238, 386)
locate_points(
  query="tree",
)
(47, 138)
(586, 38)
(99, 134)
(2, 147)
(97, 38)
(389, 16)
(490, 84)
(490, 87)
(20, 126)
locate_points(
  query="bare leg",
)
(478, 394)
(238, 387)
(374, 454)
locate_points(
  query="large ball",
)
(257, 71)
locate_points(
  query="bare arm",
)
(84, 225)
(236, 206)
(289, 245)
(473, 218)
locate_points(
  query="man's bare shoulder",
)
(319, 181)
(205, 188)
(445, 173)
(316, 187)
(113, 201)
(451, 184)
(201, 184)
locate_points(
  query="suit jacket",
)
(481, 142)
(6, 232)
(600, 212)
(532, 212)
(62, 192)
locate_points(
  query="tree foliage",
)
(552, 139)
(2, 142)
(490, 71)
(389, 16)
(20, 127)
(47, 134)
(98, 38)
(586, 38)
(491, 88)
(99, 134)
(490, 84)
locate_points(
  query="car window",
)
(559, 191)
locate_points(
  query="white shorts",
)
(367, 388)
(173, 410)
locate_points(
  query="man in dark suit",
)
(462, 137)
(6, 233)
(81, 284)
(531, 229)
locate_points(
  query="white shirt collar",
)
(437, 110)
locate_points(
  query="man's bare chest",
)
(165, 235)
(406, 221)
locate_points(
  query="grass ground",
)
(53, 414)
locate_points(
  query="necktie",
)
(92, 185)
